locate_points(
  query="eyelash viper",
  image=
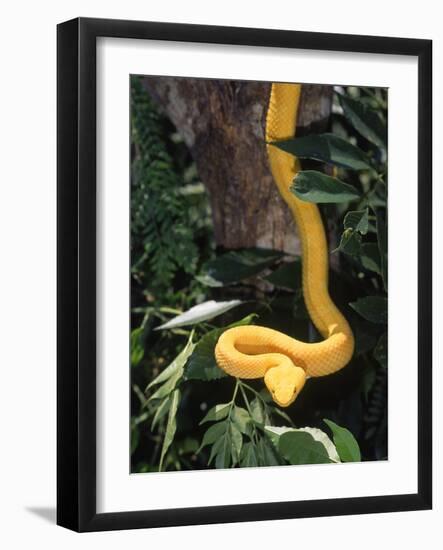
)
(259, 352)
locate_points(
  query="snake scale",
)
(259, 352)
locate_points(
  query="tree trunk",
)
(223, 124)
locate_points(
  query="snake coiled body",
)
(256, 352)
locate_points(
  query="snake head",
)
(284, 383)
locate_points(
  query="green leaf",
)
(357, 220)
(382, 239)
(213, 433)
(350, 243)
(171, 426)
(381, 350)
(215, 449)
(223, 458)
(313, 186)
(287, 275)
(267, 455)
(236, 265)
(241, 418)
(356, 223)
(236, 443)
(370, 257)
(176, 365)
(258, 411)
(301, 448)
(161, 411)
(347, 446)
(248, 458)
(219, 412)
(168, 386)
(372, 308)
(328, 148)
(201, 364)
(274, 433)
(201, 312)
(137, 346)
(207, 280)
(365, 120)
(223, 446)
(323, 438)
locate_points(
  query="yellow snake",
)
(256, 352)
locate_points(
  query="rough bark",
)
(223, 122)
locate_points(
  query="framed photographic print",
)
(244, 274)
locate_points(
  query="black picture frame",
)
(76, 295)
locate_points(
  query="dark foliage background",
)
(186, 414)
